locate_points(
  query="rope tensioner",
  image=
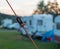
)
(22, 25)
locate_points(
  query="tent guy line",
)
(22, 25)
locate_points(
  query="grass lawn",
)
(13, 40)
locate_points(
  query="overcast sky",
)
(21, 7)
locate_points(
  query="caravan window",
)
(40, 22)
(24, 22)
(30, 22)
(58, 25)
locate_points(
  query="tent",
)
(48, 36)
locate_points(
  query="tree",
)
(41, 5)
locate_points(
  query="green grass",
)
(13, 40)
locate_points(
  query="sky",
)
(21, 7)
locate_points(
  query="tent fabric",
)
(49, 34)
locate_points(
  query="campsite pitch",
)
(13, 40)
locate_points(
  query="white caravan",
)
(14, 26)
(28, 25)
(57, 29)
(38, 24)
(42, 23)
(6, 22)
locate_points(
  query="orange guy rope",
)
(19, 20)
